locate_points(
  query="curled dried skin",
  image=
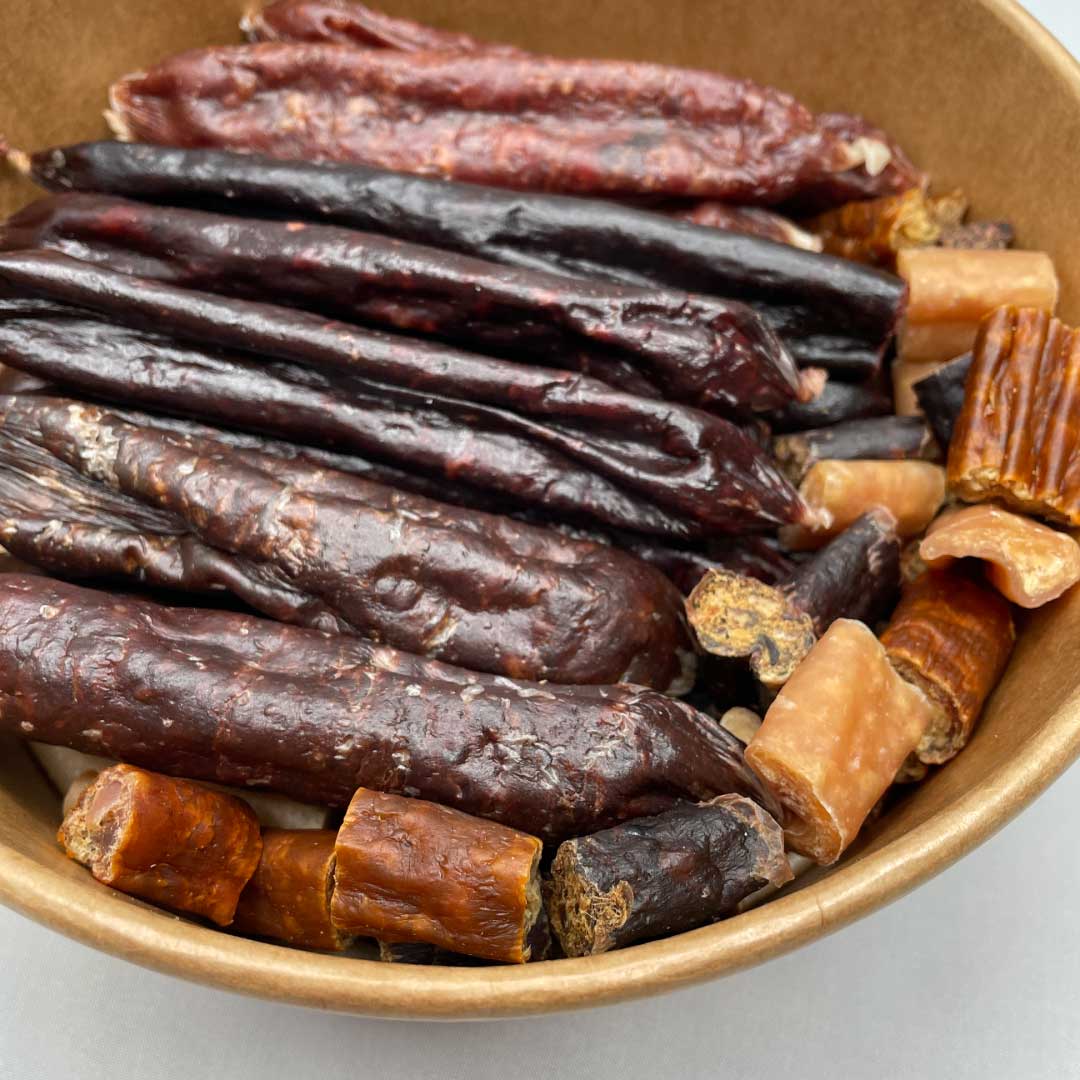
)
(714, 353)
(835, 737)
(855, 577)
(323, 715)
(344, 22)
(838, 492)
(940, 396)
(408, 870)
(1026, 562)
(751, 220)
(1016, 437)
(951, 291)
(528, 122)
(830, 312)
(288, 896)
(657, 876)
(875, 439)
(165, 840)
(308, 545)
(950, 637)
(875, 230)
(648, 466)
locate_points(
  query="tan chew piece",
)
(410, 870)
(952, 290)
(951, 637)
(841, 491)
(1027, 562)
(288, 898)
(835, 737)
(165, 840)
(1017, 438)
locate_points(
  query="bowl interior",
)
(979, 95)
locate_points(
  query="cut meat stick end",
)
(854, 576)
(657, 876)
(165, 840)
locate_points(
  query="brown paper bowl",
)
(981, 96)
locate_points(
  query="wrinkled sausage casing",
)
(409, 870)
(165, 840)
(253, 702)
(86, 495)
(548, 438)
(705, 351)
(829, 312)
(528, 122)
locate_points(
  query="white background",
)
(976, 974)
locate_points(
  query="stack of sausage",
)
(464, 365)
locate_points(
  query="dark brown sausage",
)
(250, 702)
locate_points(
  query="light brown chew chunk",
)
(410, 870)
(951, 290)
(1017, 438)
(288, 898)
(1026, 561)
(951, 637)
(835, 737)
(840, 491)
(165, 840)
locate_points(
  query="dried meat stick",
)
(409, 870)
(165, 840)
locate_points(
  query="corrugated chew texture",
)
(1017, 436)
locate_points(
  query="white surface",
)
(976, 975)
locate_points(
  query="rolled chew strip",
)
(288, 897)
(1029, 563)
(835, 737)
(855, 576)
(409, 870)
(662, 875)
(952, 290)
(1016, 437)
(840, 491)
(165, 840)
(951, 637)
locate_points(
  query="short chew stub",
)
(1027, 562)
(840, 491)
(288, 898)
(409, 870)
(951, 637)
(835, 737)
(855, 576)
(662, 875)
(951, 291)
(165, 840)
